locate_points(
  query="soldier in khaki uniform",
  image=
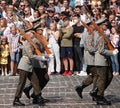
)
(88, 41)
(103, 67)
(40, 68)
(26, 70)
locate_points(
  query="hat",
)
(51, 9)
(37, 27)
(101, 21)
(88, 22)
(36, 20)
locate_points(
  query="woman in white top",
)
(53, 37)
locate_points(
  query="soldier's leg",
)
(86, 82)
(109, 76)
(21, 84)
(37, 90)
(42, 76)
(100, 83)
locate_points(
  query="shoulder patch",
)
(30, 50)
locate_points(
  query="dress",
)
(4, 52)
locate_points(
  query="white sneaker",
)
(2, 74)
(82, 73)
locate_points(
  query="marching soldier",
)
(40, 68)
(103, 67)
(88, 43)
(26, 70)
(98, 69)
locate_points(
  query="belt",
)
(26, 57)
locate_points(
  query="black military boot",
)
(79, 90)
(102, 101)
(38, 100)
(93, 93)
(17, 102)
(26, 90)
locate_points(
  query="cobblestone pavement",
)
(60, 91)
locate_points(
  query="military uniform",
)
(102, 64)
(89, 58)
(40, 68)
(26, 70)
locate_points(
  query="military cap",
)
(51, 9)
(36, 20)
(101, 21)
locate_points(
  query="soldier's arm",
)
(102, 47)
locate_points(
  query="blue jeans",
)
(115, 63)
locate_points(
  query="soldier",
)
(25, 69)
(88, 43)
(103, 67)
(40, 68)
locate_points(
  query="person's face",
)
(111, 17)
(27, 11)
(77, 10)
(113, 23)
(50, 13)
(113, 30)
(52, 26)
(1, 23)
(41, 9)
(3, 42)
(65, 3)
(22, 6)
(36, 15)
(13, 30)
(66, 23)
(3, 3)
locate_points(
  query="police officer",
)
(26, 70)
(103, 67)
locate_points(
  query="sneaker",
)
(117, 73)
(69, 73)
(2, 74)
(82, 73)
(114, 73)
(11, 74)
(65, 73)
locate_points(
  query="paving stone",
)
(61, 93)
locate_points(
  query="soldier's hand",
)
(49, 45)
(44, 58)
(115, 51)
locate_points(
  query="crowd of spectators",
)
(61, 26)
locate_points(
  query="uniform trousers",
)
(101, 77)
(23, 75)
(104, 78)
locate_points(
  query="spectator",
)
(14, 43)
(53, 37)
(4, 48)
(78, 52)
(115, 38)
(66, 47)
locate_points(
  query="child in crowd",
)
(4, 53)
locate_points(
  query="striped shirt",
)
(14, 42)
